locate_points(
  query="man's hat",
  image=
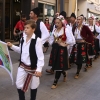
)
(63, 13)
(36, 11)
(73, 15)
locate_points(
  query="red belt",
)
(29, 75)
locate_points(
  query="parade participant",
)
(41, 30)
(53, 22)
(73, 23)
(83, 37)
(84, 19)
(31, 61)
(96, 31)
(61, 38)
(63, 13)
(46, 44)
(72, 27)
(19, 27)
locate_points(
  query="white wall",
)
(82, 7)
(72, 7)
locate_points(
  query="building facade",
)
(67, 5)
(89, 8)
(10, 11)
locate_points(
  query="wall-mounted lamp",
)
(92, 3)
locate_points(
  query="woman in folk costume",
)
(96, 31)
(79, 54)
(60, 39)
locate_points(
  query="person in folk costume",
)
(79, 54)
(72, 25)
(52, 27)
(31, 61)
(84, 19)
(98, 24)
(96, 31)
(63, 13)
(60, 40)
(41, 30)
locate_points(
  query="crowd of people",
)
(74, 41)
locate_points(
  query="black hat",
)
(82, 15)
(63, 13)
(73, 15)
(36, 11)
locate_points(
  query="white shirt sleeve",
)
(16, 48)
(97, 29)
(40, 55)
(44, 33)
(51, 38)
(69, 35)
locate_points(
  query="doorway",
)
(12, 16)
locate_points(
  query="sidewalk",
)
(87, 87)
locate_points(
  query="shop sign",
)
(97, 8)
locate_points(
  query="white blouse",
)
(25, 58)
(77, 34)
(69, 39)
(96, 28)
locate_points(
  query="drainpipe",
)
(61, 5)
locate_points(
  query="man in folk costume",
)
(60, 40)
(96, 31)
(79, 54)
(72, 25)
(41, 30)
(31, 61)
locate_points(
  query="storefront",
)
(10, 12)
(47, 10)
(9, 17)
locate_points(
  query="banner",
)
(5, 60)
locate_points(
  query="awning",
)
(93, 11)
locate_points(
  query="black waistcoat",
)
(32, 52)
(95, 32)
(37, 30)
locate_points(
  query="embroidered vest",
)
(32, 53)
(61, 37)
(37, 30)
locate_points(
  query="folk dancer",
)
(96, 31)
(31, 61)
(41, 30)
(79, 54)
(60, 40)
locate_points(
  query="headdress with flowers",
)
(64, 22)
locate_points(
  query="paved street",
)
(87, 87)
